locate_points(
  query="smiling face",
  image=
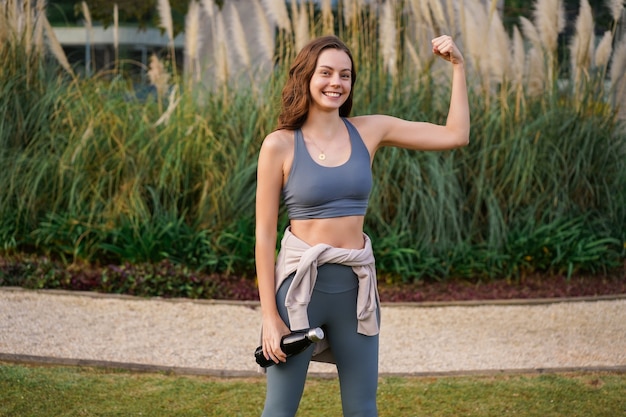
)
(322, 74)
(331, 83)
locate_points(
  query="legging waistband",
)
(334, 278)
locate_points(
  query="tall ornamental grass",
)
(91, 170)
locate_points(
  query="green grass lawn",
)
(32, 391)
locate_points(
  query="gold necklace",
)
(322, 155)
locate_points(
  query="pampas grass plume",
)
(535, 73)
(86, 14)
(166, 22)
(581, 46)
(437, 11)
(476, 35)
(499, 49)
(165, 18)
(302, 28)
(388, 38)
(28, 31)
(519, 56)
(13, 17)
(327, 17)
(192, 30)
(617, 73)
(530, 32)
(116, 33)
(451, 13)
(462, 20)
(616, 7)
(604, 49)
(277, 10)
(89, 27)
(239, 36)
(425, 13)
(415, 12)
(348, 11)
(4, 32)
(549, 18)
(38, 37)
(351, 9)
(158, 76)
(265, 33)
(295, 11)
(209, 7)
(220, 51)
(192, 38)
(55, 46)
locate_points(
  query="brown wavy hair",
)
(296, 95)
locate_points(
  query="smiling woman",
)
(330, 84)
(320, 159)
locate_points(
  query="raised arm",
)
(392, 131)
(458, 122)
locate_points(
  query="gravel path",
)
(219, 338)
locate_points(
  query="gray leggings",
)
(333, 306)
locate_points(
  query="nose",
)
(335, 79)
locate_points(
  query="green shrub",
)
(93, 171)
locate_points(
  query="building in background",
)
(93, 51)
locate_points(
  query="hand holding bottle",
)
(274, 329)
(292, 344)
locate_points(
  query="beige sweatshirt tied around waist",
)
(296, 255)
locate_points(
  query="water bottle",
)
(292, 344)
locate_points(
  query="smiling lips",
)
(332, 94)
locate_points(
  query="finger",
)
(274, 353)
(280, 355)
(442, 49)
(441, 40)
(447, 51)
(269, 355)
(266, 350)
(445, 45)
(442, 37)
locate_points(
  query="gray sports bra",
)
(314, 191)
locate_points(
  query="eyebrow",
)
(329, 67)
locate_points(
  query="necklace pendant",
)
(321, 156)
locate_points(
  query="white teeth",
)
(333, 94)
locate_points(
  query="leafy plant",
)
(95, 172)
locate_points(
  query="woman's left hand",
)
(445, 47)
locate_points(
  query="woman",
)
(320, 160)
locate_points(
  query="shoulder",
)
(373, 128)
(277, 150)
(278, 142)
(279, 139)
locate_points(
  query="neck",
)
(323, 126)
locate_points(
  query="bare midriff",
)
(339, 232)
